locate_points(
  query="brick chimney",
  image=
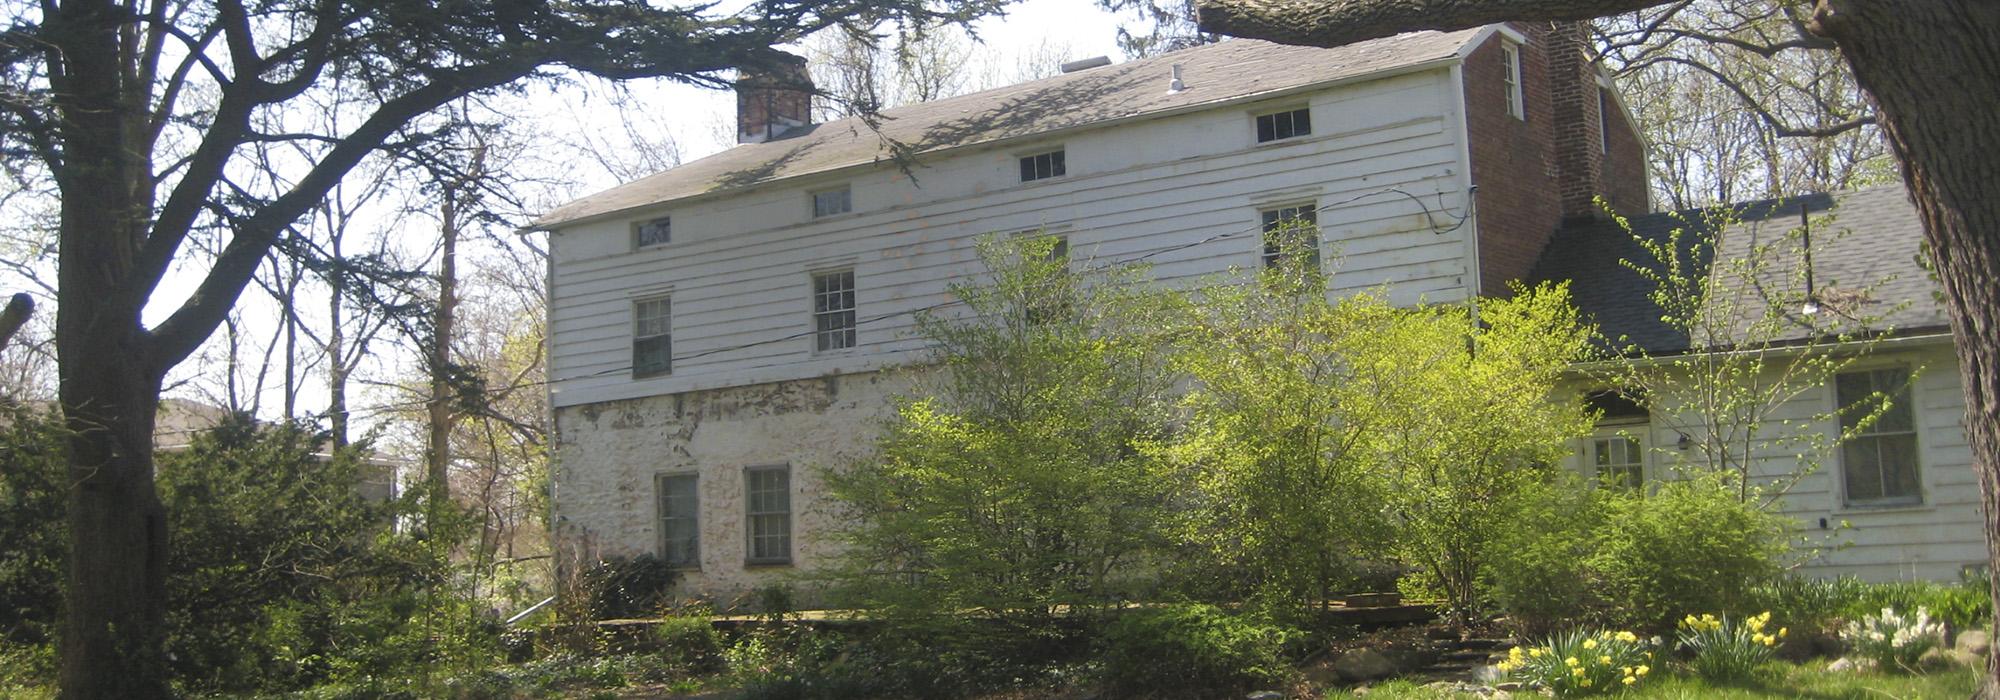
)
(1579, 120)
(770, 104)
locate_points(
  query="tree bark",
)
(1932, 68)
(437, 451)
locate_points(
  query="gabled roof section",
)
(1230, 71)
(1865, 263)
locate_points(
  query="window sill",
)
(1872, 509)
(768, 564)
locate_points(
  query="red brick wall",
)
(1533, 174)
(772, 101)
(1625, 174)
(1513, 160)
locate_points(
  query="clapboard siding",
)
(1931, 540)
(739, 267)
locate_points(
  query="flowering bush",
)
(1726, 651)
(1891, 640)
(1582, 663)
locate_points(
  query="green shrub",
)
(1811, 603)
(1961, 606)
(1582, 662)
(1691, 545)
(1892, 640)
(689, 641)
(1191, 648)
(1538, 573)
(1725, 651)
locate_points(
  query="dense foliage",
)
(1207, 648)
(285, 573)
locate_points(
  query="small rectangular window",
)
(1878, 462)
(1286, 227)
(831, 202)
(1511, 78)
(652, 337)
(680, 524)
(768, 511)
(1284, 125)
(1043, 166)
(1620, 461)
(833, 310)
(653, 232)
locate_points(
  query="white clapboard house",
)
(722, 329)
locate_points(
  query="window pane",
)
(768, 502)
(833, 310)
(1898, 455)
(1267, 128)
(1862, 465)
(652, 355)
(654, 232)
(832, 202)
(679, 524)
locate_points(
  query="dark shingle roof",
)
(1217, 73)
(1865, 265)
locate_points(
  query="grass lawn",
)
(1778, 680)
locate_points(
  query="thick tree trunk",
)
(1933, 69)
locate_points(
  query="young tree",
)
(1753, 351)
(1940, 130)
(1014, 484)
(1288, 494)
(140, 113)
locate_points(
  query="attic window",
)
(653, 232)
(1510, 77)
(1042, 166)
(839, 200)
(1284, 125)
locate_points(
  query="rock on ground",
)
(1363, 665)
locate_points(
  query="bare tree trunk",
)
(437, 453)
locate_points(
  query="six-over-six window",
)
(833, 310)
(768, 497)
(1878, 462)
(1289, 231)
(652, 336)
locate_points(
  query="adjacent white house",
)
(721, 330)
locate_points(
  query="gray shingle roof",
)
(1865, 266)
(1222, 72)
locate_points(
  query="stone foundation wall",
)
(610, 454)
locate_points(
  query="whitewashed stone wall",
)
(610, 454)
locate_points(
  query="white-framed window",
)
(768, 514)
(653, 232)
(1289, 226)
(1283, 125)
(652, 336)
(680, 520)
(828, 202)
(1879, 462)
(1617, 458)
(833, 310)
(1042, 166)
(1510, 78)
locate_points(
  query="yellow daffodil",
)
(1585, 683)
(1606, 660)
(1630, 680)
(1571, 661)
(1536, 653)
(1628, 637)
(1590, 644)
(1643, 669)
